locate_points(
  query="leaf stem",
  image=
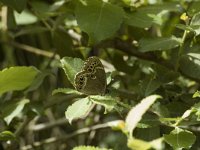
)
(180, 50)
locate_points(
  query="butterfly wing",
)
(92, 80)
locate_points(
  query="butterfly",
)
(91, 80)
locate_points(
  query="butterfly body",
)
(91, 80)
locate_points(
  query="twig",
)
(4, 11)
(191, 128)
(22, 126)
(34, 50)
(44, 126)
(55, 139)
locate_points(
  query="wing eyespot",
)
(93, 76)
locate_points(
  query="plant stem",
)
(180, 50)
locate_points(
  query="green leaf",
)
(152, 86)
(179, 138)
(190, 65)
(18, 5)
(195, 23)
(89, 148)
(13, 109)
(120, 64)
(71, 66)
(65, 91)
(43, 9)
(138, 144)
(143, 16)
(108, 77)
(196, 94)
(196, 109)
(155, 9)
(99, 19)
(78, 109)
(149, 85)
(158, 144)
(136, 113)
(63, 43)
(149, 121)
(28, 30)
(38, 81)
(25, 18)
(139, 19)
(194, 8)
(165, 75)
(108, 102)
(11, 23)
(160, 109)
(160, 43)
(184, 27)
(135, 144)
(7, 135)
(16, 78)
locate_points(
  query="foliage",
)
(150, 53)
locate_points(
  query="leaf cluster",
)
(150, 52)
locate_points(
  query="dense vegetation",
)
(150, 50)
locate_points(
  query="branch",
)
(44, 126)
(64, 138)
(22, 126)
(34, 50)
(129, 49)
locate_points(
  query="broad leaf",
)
(43, 9)
(71, 66)
(139, 19)
(25, 18)
(159, 44)
(195, 23)
(63, 43)
(16, 78)
(180, 139)
(13, 109)
(78, 109)
(99, 19)
(196, 109)
(194, 8)
(65, 91)
(196, 94)
(135, 144)
(165, 75)
(89, 148)
(136, 113)
(38, 81)
(7, 135)
(151, 86)
(190, 65)
(107, 101)
(28, 30)
(155, 9)
(160, 109)
(18, 5)
(143, 16)
(11, 23)
(184, 27)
